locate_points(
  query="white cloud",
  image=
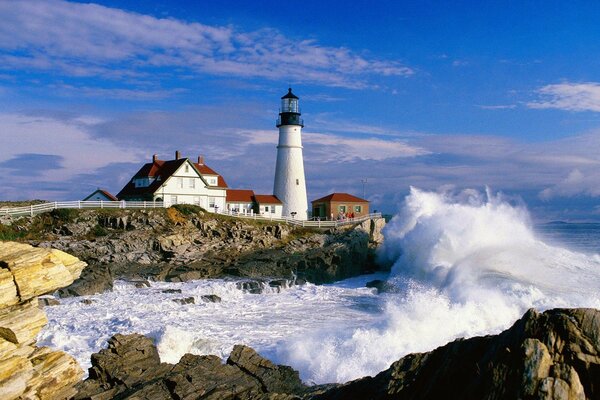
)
(93, 40)
(68, 139)
(569, 96)
(497, 107)
(576, 183)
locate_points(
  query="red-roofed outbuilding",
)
(339, 205)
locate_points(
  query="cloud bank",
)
(90, 40)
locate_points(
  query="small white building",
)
(268, 205)
(240, 201)
(100, 195)
(178, 181)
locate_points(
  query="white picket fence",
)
(308, 224)
(46, 207)
(55, 205)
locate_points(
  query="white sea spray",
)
(463, 265)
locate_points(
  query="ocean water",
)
(464, 264)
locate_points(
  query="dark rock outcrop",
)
(167, 245)
(553, 355)
(130, 368)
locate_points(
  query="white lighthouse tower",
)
(290, 185)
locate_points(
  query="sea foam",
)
(463, 265)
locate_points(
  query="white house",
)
(268, 205)
(100, 195)
(178, 181)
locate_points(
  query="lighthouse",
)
(290, 185)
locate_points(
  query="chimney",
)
(154, 158)
(177, 155)
(201, 160)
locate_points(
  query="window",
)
(357, 208)
(273, 210)
(266, 208)
(297, 181)
(180, 182)
(187, 168)
(211, 202)
(192, 183)
(342, 209)
(197, 200)
(173, 199)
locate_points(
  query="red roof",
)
(239, 196)
(162, 170)
(341, 197)
(266, 199)
(104, 192)
(206, 170)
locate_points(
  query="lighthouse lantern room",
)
(290, 184)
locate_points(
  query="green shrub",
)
(99, 231)
(188, 209)
(64, 214)
(8, 232)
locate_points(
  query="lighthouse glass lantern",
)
(290, 111)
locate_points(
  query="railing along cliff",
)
(308, 224)
(46, 207)
(55, 205)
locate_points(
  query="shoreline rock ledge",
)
(28, 371)
(553, 355)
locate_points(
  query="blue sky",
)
(438, 95)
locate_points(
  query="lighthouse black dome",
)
(290, 95)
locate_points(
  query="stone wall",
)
(28, 371)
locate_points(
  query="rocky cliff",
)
(184, 243)
(553, 355)
(28, 371)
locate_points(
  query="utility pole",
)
(364, 181)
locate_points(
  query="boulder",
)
(553, 355)
(185, 300)
(211, 298)
(26, 371)
(130, 368)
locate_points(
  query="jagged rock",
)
(130, 368)
(47, 301)
(211, 298)
(21, 323)
(185, 300)
(253, 287)
(28, 372)
(273, 378)
(381, 286)
(171, 291)
(92, 281)
(554, 355)
(36, 271)
(55, 374)
(164, 245)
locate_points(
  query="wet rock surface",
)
(552, 355)
(166, 245)
(26, 370)
(130, 368)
